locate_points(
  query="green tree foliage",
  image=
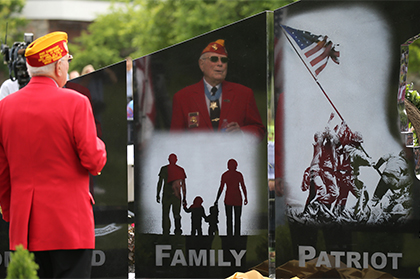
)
(22, 265)
(413, 96)
(140, 27)
(414, 57)
(8, 11)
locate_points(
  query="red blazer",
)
(190, 112)
(48, 146)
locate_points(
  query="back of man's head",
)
(44, 51)
(172, 158)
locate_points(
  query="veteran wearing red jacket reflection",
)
(205, 105)
(48, 147)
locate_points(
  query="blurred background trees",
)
(413, 75)
(138, 27)
(141, 27)
(11, 22)
(134, 28)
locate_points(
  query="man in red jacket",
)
(214, 104)
(48, 147)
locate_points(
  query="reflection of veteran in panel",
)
(214, 104)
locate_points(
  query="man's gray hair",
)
(203, 56)
(45, 70)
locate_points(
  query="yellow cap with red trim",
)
(216, 47)
(47, 49)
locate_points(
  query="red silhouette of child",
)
(197, 215)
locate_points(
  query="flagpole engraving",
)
(317, 50)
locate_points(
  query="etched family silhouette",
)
(172, 178)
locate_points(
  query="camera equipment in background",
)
(15, 59)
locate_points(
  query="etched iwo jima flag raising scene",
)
(332, 179)
(212, 139)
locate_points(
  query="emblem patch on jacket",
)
(193, 119)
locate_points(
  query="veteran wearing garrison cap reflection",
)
(214, 104)
(48, 147)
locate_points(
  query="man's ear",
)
(200, 64)
(57, 68)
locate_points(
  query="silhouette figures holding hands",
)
(197, 215)
(233, 198)
(172, 178)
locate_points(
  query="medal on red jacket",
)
(193, 119)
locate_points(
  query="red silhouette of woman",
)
(233, 198)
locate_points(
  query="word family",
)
(200, 257)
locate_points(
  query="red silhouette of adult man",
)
(172, 179)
